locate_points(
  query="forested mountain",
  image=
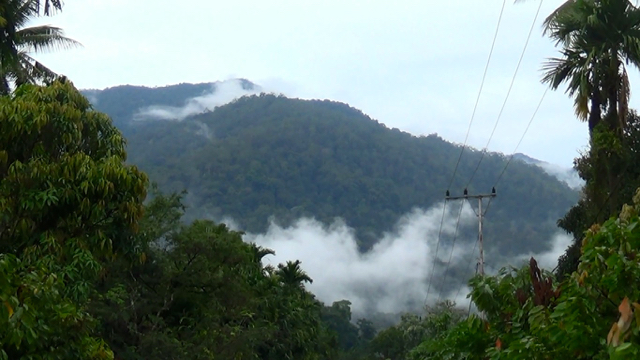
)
(270, 156)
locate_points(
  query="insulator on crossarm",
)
(493, 190)
(447, 195)
(466, 192)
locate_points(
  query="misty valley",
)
(357, 203)
(228, 220)
(321, 177)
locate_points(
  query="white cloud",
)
(567, 175)
(549, 259)
(391, 277)
(222, 93)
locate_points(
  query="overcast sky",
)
(414, 65)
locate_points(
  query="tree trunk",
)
(595, 115)
(612, 85)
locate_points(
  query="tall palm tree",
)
(17, 42)
(598, 38)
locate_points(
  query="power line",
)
(521, 138)
(453, 244)
(475, 107)
(475, 246)
(488, 204)
(435, 256)
(504, 103)
(480, 213)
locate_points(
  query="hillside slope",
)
(267, 156)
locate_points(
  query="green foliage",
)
(410, 338)
(337, 317)
(599, 39)
(203, 293)
(63, 185)
(620, 157)
(37, 320)
(68, 204)
(88, 272)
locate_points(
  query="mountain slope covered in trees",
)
(267, 156)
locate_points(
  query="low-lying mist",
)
(394, 275)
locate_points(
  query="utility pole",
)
(480, 215)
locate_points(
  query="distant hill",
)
(268, 156)
(124, 103)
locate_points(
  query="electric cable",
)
(453, 244)
(475, 246)
(471, 302)
(495, 126)
(435, 256)
(475, 107)
(521, 138)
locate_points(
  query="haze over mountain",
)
(568, 175)
(359, 203)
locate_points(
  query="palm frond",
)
(43, 38)
(16, 66)
(559, 70)
(581, 107)
(33, 71)
(562, 9)
(564, 23)
(575, 69)
(50, 6)
(21, 12)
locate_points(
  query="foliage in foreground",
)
(67, 205)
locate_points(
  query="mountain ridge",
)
(181, 93)
(262, 157)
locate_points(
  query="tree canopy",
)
(68, 204)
